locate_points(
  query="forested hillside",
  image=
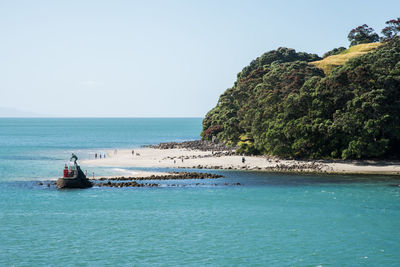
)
(282, 105)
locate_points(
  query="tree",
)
(335, 51)
(362, 35)
(392, 29)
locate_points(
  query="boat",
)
(73, 177)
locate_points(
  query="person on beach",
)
(100, 155)
(243, 160)
(104, 155)
(133, 152)
(95, 155)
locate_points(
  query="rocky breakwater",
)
(126, 184)
(172, 176)
(131, 181)
(120, 182)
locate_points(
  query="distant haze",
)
(154, 58)
(12, 112)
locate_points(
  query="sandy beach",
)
(185, 158)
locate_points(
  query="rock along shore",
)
(131, 181)
(172, 176)
(193, 145)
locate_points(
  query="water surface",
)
(269, 220)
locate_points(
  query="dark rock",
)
(194, 145)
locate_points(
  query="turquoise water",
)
(270, 220)
(39, 148)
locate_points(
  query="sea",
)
(270, 219)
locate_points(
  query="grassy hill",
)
(329, 63)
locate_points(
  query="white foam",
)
(125, 171)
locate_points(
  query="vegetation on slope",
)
(329, 63)
(282, 105)
(335, 51)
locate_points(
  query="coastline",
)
(184, 158)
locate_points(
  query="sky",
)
(155, 58)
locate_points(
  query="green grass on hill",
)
(329, 63)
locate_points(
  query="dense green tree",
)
(362, 35)
(392, 29)
(281, 105)
(232, 105)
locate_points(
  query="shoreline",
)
(187, 158)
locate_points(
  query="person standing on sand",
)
(100, 155)
(243, 160)
(95, 155)
(133, 152)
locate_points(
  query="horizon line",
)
(88, 117)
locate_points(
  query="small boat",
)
(73, 177)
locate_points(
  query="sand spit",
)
(228, 160)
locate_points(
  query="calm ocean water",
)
(271, 220)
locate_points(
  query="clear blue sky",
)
(155, 58)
